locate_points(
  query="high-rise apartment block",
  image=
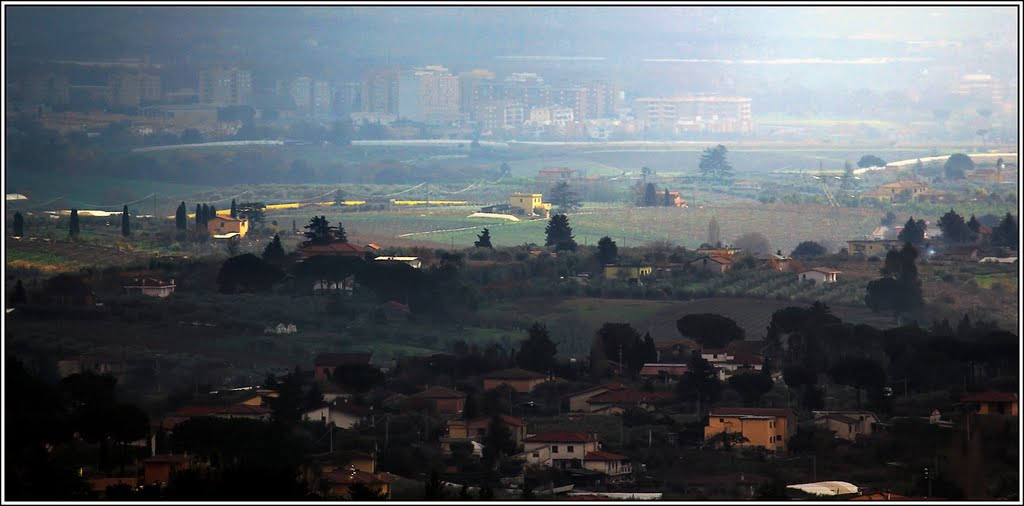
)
(225, 86)
(51, 89)
(380, 92)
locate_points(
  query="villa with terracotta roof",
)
(224, 225)
(713, 263)
(663, 372)
(336, 248)
(476, 429)
(443, 400)
(578, 400)
(149, 286)
(617, 401)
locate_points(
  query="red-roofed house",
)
(578, 400)
(768, 428)
(620, 400)
(559, 449)
(994, 403)
(243, 411)
(819, 275)
(520, 380)
(223, 225)
(617, 467)
(336, 248)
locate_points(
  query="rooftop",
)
(731, 411)
(339, 359)
(514, 374)
(437, 392)
(561, 437)
(991, 396)
(604, 456)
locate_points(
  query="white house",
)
(819, 275)
(413, 262)
(343, 415)
(560, 450)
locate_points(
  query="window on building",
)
(570, 448)
(554, 449)
(721, 420)
(536, 455)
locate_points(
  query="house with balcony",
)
(847, 425)
(559, 449)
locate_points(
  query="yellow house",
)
(476, 429)
(530, 204)
(768, 428)
(994, 403)
(220, 225)
(627, 272)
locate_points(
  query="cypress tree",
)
(181, 217)
(19, 295)
(199, 216)
(19, 226)
(274, 252)
(73, 227)
(126, 228)
(234, 209)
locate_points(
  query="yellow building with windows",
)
(627, 272)
(768, 428)
(221, 225)
(530, 204)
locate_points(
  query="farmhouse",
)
(552, 174)
(769, 428)
(476, 429)
(993, 403)
(529, 204)
(440, 399)
(617, 467)
(578, 400)
(713, 263)
(892, 191)
(344, 415)
(664, 372)
(223, 225)
(819, 275)
(961, 254)
(149, 286)
(335, 248)
(617, 401)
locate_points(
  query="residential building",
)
(343, 414)
(335, 248)
(712, 263)
(616, 467)
(696, 113)
(322, 99)
(223, 225)
(428, 94)
(476, 430)
(529, 204)
(50, 89)
(769, 428)
(575, 98)
(149, 286)
(604, 100)
(961, 254)
(301, 92)
(442, 400)
(494, 115)
(993, 403)
(617, 401)
(475, 86)
(870, 248)
(558, 449)
(246, 411)
(324, 364)
(347, 98)
(663, 372)
(528, 89)
(163, 468)
(890, 192)
(380, 92)
(553, 115)
(520, 380)
(128, 89)
(578, 400)
(819, 275)
(982, 86)
(555, 174)
(628, 273)
(847, 424)
(224, 85)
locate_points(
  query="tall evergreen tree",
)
(339, 233)
(607, 251)
(714, 165)
(650, 195)
(318, 231)
(559, 233)
(714, 233)
(19, 225)
(537, 352)
(667, 200)
(19, 296)
(126, 228)
(181, 217)
(199, 216)
(483, 239)
(1006, 232)
(974, 225)
(73, 226)
(954, 229)
(234, 209)
(913, 231)
(564, 199)
(274, 252)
